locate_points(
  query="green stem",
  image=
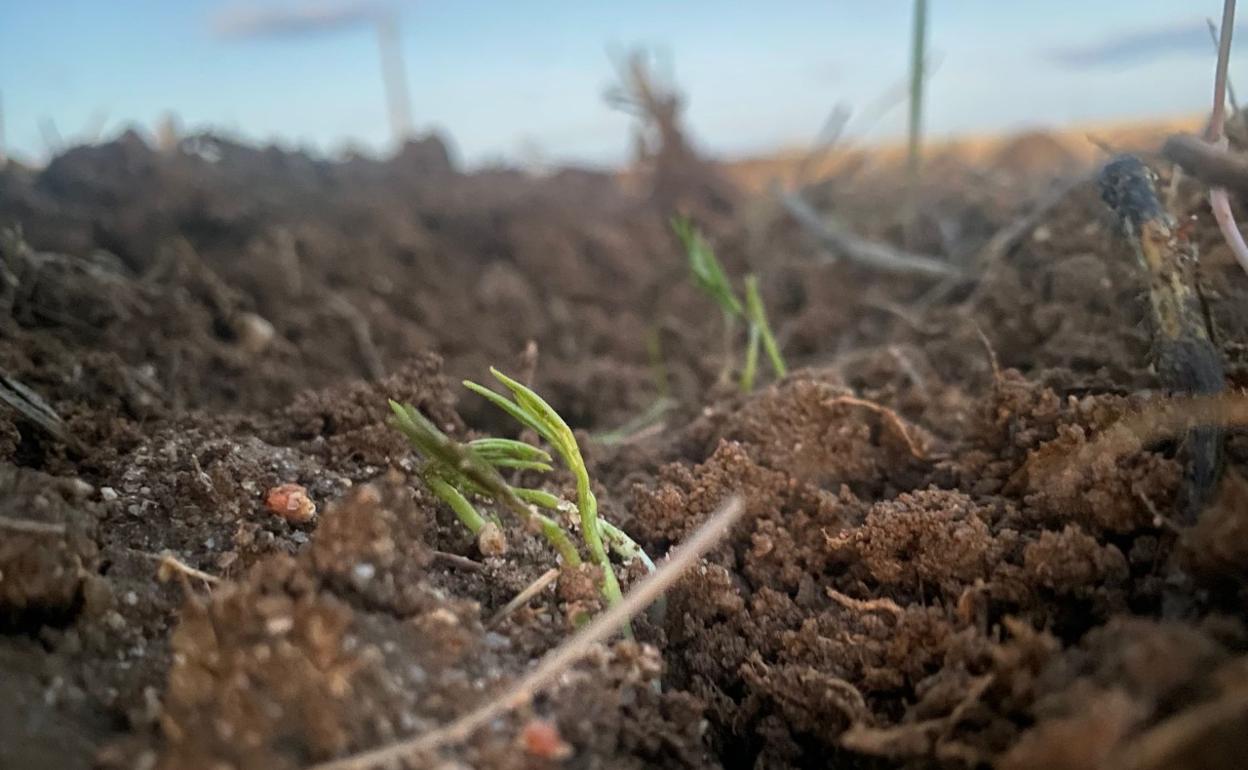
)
(751, 360)
(658, 368)
(587, 504)
(458, 503)
(758, 316)
(730, 329)
(549, 528)
(624, 545)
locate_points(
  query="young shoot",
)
(453, 471)
(456, 472)
(531, 411)
(760, 330)
(709, 276)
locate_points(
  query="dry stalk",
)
(29, 527)
(893, 418)
(866, 605)
(1158, 420)
(522, 598)
(1219, 202)
(171, 566)
(855, 248)
(455, 560)
(556, 662)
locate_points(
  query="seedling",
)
(455, 472)
(531, 411)
(709, 276)
(760, 330)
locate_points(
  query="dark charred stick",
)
(1213, 165)
(1186, 357)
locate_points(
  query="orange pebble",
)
(291, 502)
(541, 739)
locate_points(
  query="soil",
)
(911, 587)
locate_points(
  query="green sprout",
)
(709, 276)
(455, 471)
(531, 411)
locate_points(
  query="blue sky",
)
(506, 77)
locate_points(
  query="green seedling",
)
(709, 276)
(531, 411)
(454, 470)
(760, 331)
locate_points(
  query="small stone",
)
(79, 489)
(108, 494)
(291, 502)
(363, 572)
(255, 333)
(541, 739)
(491, 541)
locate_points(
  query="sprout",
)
(709, 276)
(455, 472)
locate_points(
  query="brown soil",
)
(910, 588)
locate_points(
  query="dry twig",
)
(862, 250)
(866, 605)
(30, 527)
(522, 598)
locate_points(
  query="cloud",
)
(1140, 45)
(303, 20)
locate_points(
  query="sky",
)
(518, 80)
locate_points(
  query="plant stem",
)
(587, 504)
(1217, 118)
(624, 545)
(459, 504)
(758, 316)
(730, 330)
(549, 528)
(918, 47)
(751, 360)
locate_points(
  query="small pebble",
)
(108, 494)
(79, 489)
(291, 502)
(254, 332)
(541, 739)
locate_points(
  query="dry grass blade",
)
(31, 405)
(899, 424)
(1214, 134)
(522, 598)
(1158, 420)
(866, 605)
(171, 566)
(561, 658)
(29, 527)
(1207, 162)
(855, 248)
